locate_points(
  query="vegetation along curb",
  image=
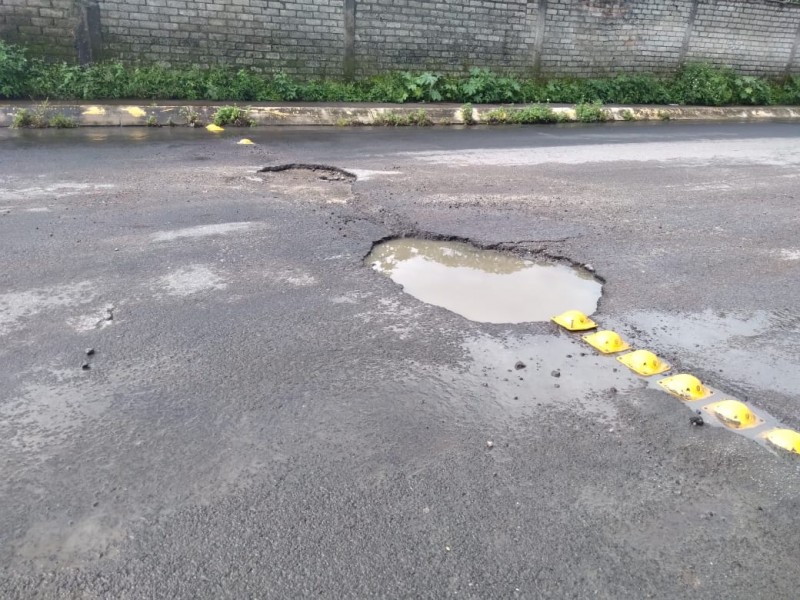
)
(65, 115)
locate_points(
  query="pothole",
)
(319, 182)
(323, 172)
(486, 286)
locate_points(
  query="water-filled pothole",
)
(485, 285)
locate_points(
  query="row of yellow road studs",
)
(217, 129)
(733, 414)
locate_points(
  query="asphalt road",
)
(266, 417)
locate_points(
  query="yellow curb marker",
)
(785, 439)
(607, 342)
(574, 320)
(734, 414)
(644, 363)
(685, 387)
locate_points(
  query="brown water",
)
(484, 285)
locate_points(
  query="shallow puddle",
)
(484, 285)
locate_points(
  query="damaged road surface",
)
(263, 414)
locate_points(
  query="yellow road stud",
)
(685, 387)
(733, 414)
(644, 363)
(245, 142)
(574, 320)
(785, 439)
(214, 128)
(606, 342)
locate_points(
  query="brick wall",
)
(45, 26)
(754, 37)
(337, 37)
(443, 36)
(597, 37)
(304, 37)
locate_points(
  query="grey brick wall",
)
(45, 26)
(314, 37)
(444, 36)
(304, 37)
(752, 37)
(598, 37)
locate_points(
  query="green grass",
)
(61, 121)
(418, 118)
(41, 117)
(232, 115)
(26, 77)
(528, 115)
(590, 112)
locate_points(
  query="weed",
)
(14, 71)
(498, 116)
(483, 86)
(418, 117)
(467, 114)
(152, 121)
(62, 121)
(347, 122)
(192, 116)
(663, 115)
(535, 113)
(23, 76)
(590, 112)
(528, 115)
(232, 115)
(627, 115)
(33, 119)
(703, 84)
(22, 118)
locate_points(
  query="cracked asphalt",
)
(264, 416)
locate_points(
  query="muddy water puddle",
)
(486, 286)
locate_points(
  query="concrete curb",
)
(186, 114)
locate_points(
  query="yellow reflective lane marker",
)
(734, 414)
(644, 363)
(607, 342)
(685, 387)
(574, 320)
(785, 439)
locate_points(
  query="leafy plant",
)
(13, 71)
(699, 83)
(232, 115)
(484, 86)
(192, 116)
(36, 118)
(466, 114)
(627, 115)
(590, 112)
(418, 117)
(62, 121)
(22, 118)
(534, 113)
(22, 76)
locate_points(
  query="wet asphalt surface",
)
(266, 417)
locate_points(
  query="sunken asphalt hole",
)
(324, 172)
(487, 286)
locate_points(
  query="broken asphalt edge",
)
(184, 114)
